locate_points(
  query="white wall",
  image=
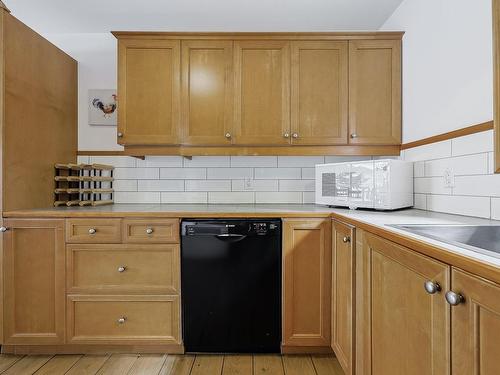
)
(447, 64)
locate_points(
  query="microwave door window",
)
(328, 185)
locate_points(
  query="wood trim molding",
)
(3, 6)
(100, 153)
(496, 80)
(450, 135)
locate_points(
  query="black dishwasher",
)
(231, 285)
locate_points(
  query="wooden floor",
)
(146, 364)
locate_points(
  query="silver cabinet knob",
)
(295, 135)
(120, 134)
(354, 135)
(122, 320)
(92, 231)
(432, 287)
(149, 230)
(228, 135)
(454, 299)
(122, 269)
(346, 239)
(4, 229)
(286, 135)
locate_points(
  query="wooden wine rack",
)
(83, 185)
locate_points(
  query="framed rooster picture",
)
(103, 107)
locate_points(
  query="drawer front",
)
(93, 230)
(151, 231)
(118, 319)
(123, 268)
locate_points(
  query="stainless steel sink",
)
(480, 238)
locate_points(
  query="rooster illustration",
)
(107, 107)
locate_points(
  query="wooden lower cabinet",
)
(306, 282)
(33, 279)
(475, 325)
(407, 329)
(343, 299)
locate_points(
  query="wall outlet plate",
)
(248, 184)
(449, 178)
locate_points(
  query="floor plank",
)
(298, 365)
(148, 364)
(327, 365)
(118, 364)
(267, 365)
(207, 365)
(88, 365)
(58, 364)
(237, 365)
(7, 360)
(177, 365)
(28, 365)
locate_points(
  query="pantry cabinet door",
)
(409, 328)
(262, 93)
(343, 299)
(475, 325)
(306, 282)
(207, 96)
(148, 92)
(319, 92)
(375, 92)
(33, 278)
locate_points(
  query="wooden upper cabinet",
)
(319, 93)
(409, 328)
(375, 92)
(262, 93)
(33, 277)
(475, 327)
(149, 91)
(307, 282)
(207, 92)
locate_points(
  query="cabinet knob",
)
(92, 231)
(295, 135)
(120, 135)
(346, 239)
(432, 287)
(4, 229)
(122, 269)
(286, 135)
(122, 320)
(354, 135)
(149, 230)
(228, 135)
(454, 299)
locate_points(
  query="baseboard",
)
(285, 349)
(91, 349)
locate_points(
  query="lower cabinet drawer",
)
(123, 320)
(123, 269)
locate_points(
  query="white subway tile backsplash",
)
(343, 159)
(484, 185)
(420, 201)
(183, 173)
(299, 161)
(136, 173)
(125, 185)
(254, 161)
(278, 197)
(296, 185)
(231, 197)
(137, 197)
(428, 152)
(308, 197)
(460, 166)
(473, 144)
(160, 161)
(418, 169)
(460, 205)
(160, 185)
(431, 185)
(83, 159)
(208, 185)
(257, 185)
(491, 162)
(308, 173)
(229, 173)
(207, 161)
(184, 197)
(116, 161)
(495, 208)
(277, 173)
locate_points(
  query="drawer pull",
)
(92, 231)
(122, 320)
(122, 268)
(149, 230)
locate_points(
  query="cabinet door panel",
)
(307, 282)
(34, 282)
(149, 92)
(375, 92)
(410, 329)
(343, 295)
(207, 92)
(475, 325)
(319, 92)
(262, 92)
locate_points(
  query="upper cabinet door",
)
(148, 92)
(207, 69)
(375, 92)
(319, 92)
(262, 93)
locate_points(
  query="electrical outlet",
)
(248, 184)
(449, 178)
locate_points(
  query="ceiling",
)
(98, 16)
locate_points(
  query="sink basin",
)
(480, 238)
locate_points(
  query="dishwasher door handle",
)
(231, 236)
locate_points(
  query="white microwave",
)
(379, 184)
